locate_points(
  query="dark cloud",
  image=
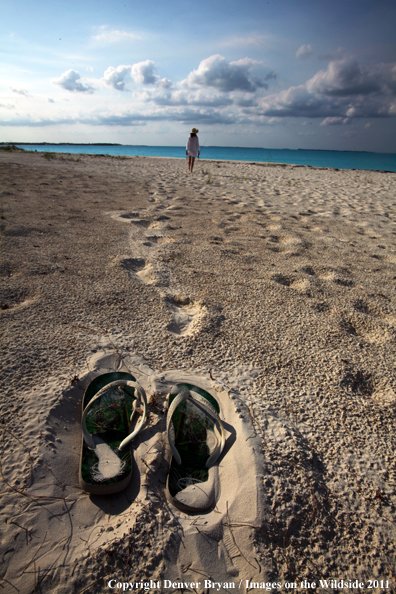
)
(71, 81)
(202, 116)
(244, 101)
(258, 83)
(271, 75)
(348, 77)
(346, 89)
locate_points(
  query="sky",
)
(315, 74)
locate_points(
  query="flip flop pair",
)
(112, 405)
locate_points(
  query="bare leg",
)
(192, 163)
(189, 163)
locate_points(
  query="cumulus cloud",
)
(200, 97)
(164, 83)
(143, 73)
(109, 36)
(71, 81)
(305, 51)
(115, 77)
(224, 76)
(222, 92)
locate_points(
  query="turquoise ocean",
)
(333, 159)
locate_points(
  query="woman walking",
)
(192, 148)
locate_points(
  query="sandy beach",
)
(273, 286)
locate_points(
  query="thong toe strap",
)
(204, 405)
(140, 400)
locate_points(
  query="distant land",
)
(335, 151)
(69, 143)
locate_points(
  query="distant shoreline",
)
(177, 146)
(67, 144)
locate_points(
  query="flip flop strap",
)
(140, 399)
(204, 405)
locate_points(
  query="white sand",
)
(274, 286)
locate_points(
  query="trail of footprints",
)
(148, 237)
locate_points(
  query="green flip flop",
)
(111, 406)
(196, 438)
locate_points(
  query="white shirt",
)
(193, 145)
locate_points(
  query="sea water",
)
(312, 158)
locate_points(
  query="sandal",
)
(196, 438)
(110, 408)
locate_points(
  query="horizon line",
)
(182, 146)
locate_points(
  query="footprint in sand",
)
(152, 238)
(17, 299)
(130, 217)
(162, 217)
(285, 281)
(139, 267)
(185, 314)
(289, 240)
(300, 284)
(147, 274)
(287, 244)
(174, 207)
(141, 222)
(308, 270)
(133, 264)
(337, 278)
